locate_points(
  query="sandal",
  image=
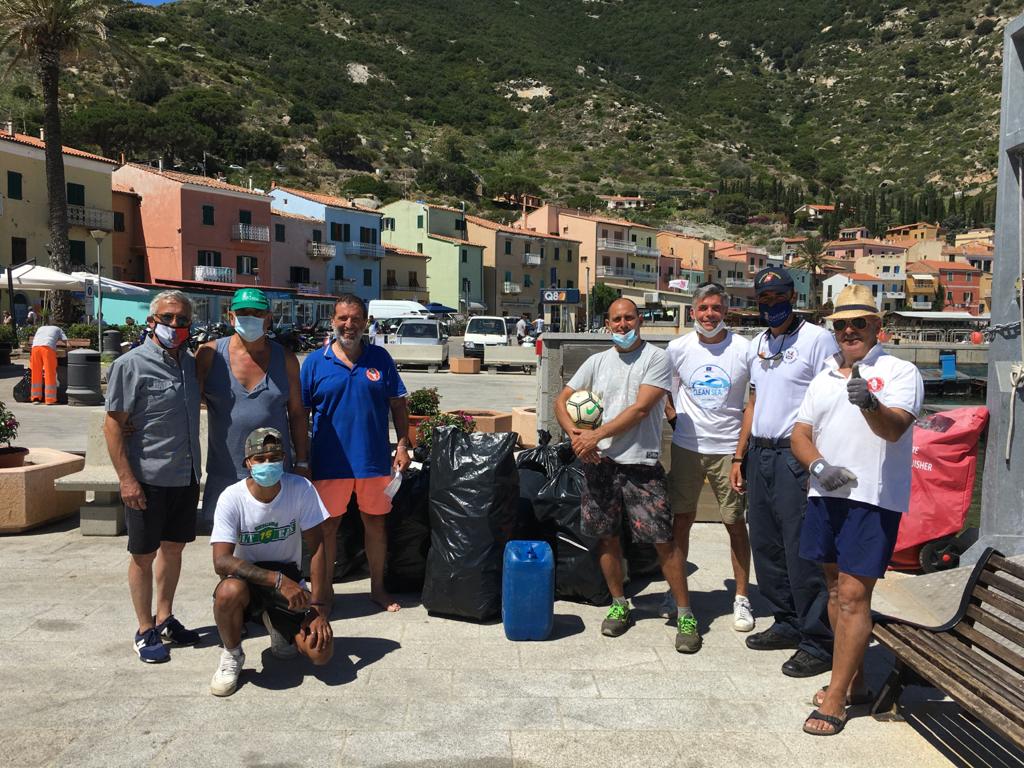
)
(837, 723)
(857, 700)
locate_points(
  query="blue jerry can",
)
(528, 590)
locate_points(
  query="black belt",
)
(769, 442)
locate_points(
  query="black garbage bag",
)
(23, 389)
(528, 527)
(409, 533)
(350, 555)
(641, 559)
(474, 492)
(578, 574)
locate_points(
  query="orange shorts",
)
(369, 491)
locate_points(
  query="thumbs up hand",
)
(858, 393)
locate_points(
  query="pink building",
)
(851, 250)
(300, 255)
(198, 229)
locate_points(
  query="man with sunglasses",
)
(853, 434)
(152, 434)
(786, 357)
(259, 527)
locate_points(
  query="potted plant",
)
(8, 340)
(9, 456)
(426, 430)
(423, 403)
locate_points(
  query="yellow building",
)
(975, 236)
(908, 233)
(24, 211)
(403, 275)
(691, 251)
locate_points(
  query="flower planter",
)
(414, 423)
(27, 495)
(12, 457)
(524, 422)
(488, 421)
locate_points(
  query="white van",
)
(483, 332)
(386, 309)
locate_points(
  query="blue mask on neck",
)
(777, 314)
(268, 473)
(624, 340)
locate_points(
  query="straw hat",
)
(854, 301)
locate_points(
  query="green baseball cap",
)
(249, 298)
(258, 439)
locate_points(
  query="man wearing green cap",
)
(248, 382)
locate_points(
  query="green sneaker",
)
(687, 639)
(617, 621)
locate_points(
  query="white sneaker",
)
(668, 609)
(280, 648)
(742, 616)
(225, 679)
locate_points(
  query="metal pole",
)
(590, 297)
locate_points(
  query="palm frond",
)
(31, 26)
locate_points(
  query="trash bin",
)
(112, 342)
(84, 377)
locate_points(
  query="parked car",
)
(481, 332)
(423, 333)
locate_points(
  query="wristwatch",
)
(301, 465)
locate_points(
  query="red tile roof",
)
(453, 240)
(329, 200)
(32, 141)
(402, 251)
(488, 224)
(861, 242)
(201, 181)
(956, 266)
(284, 215)
(865, 278)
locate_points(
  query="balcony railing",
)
(405, 288)
(626, 246)
(90, 218)
(250, 233)
(304, 287)
(214, 274)
(738, 282)
(363, 250)
(511, 289)
(894, 294)
(344, 285)
(317, 250)
(638, 275)
(531, 260)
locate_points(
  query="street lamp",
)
(98, 235)
(590, 298)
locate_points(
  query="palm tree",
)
(44, 31)
(811, 257)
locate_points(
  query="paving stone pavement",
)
(408, 689)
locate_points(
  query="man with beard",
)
(785, 358)
(351, 388)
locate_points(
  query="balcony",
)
(304, 287)
(531, 260)
(625, 273)
(894, 294)
(344, 285)
(214, 274)
(250, 233)
(738, 282)
(511, 289)
(363, 250)
(404, 288)
(90, 218)
(626, 246)
(317, 250)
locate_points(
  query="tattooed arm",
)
(227, 565)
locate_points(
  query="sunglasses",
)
(860, 323)
(169, 318)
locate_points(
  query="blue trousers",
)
(794, 587)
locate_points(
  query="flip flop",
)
(837, 723)
(857, 700)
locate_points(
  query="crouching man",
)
(257, 552)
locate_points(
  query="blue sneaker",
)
(149, 647)
(172, 631)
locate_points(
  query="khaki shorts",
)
(686, 481)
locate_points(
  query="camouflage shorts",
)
(636, 491)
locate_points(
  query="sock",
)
(741, 599)
(684, 610)
(620, 601)
(237, 651)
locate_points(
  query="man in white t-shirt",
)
(521, 328)
(258, 530)
(710, 372)
(372, 329)
(43, 362)
(784, 359)
(538, 325)
(621, 467)
(854, 435)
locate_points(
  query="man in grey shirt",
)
(152, 432)
(621, 463)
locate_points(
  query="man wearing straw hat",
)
(853, 435)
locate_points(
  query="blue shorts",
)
(857, 536)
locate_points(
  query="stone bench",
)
(511, 357)
(104, 515)
(433, 356)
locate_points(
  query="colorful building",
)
(959, 284)
(907, 234)
(300, 254)
(404, 275)
(128, 247)
(831, 286)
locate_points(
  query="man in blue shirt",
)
(350, 388)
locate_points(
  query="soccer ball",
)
(585, 409)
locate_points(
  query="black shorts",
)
(636, 491)
(267, 599)
(170, 515)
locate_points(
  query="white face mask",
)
(705, 332)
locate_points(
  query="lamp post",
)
(98, 235)
(590, 298)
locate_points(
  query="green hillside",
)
(823, 96)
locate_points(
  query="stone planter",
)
(27, 496)
(464, 364)
(524, 421)
(488, 421)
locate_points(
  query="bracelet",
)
(737, 459)
(301, 464)
(277, 584)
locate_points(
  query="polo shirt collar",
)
(153, 349)
(836, 360)
(330, 355)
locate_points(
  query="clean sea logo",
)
(267, 533)
(709, 386)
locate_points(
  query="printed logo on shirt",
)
(373, 374)
(267, 533)
(790, 354)
(875, 384)
(709, 386)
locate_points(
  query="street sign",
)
(560, 296)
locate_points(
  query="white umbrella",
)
(110, 285)
(32, 277)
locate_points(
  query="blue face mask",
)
(249, 328)
(624, 340)
(268, 473)
(777, 314)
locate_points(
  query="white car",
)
(483, 332)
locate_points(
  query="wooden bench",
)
(975, 657)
